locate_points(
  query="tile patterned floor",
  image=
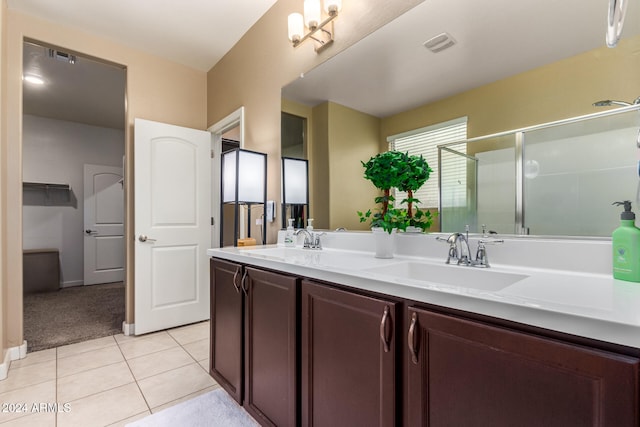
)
(109, 381)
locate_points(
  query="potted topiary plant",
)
(415, 173)
(386, 171)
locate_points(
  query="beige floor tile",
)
(184, 399)
(23, 400)
(199, 350)
(126, 421)
(190, 333)
(171, 385)
(89, 360)
(205, 364)
(29, 375)
(158, 362)
(85, 346)
(86, 383)
(147, 345)
(120, 338)
(104, 408)
(33, 358)
(41, 419)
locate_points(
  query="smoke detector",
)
(439, 43)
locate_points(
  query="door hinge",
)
(213, 154)
(212, 221)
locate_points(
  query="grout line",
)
(134, 379)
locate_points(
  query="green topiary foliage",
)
(386, 170)
(415, 173)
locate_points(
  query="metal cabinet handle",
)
(383, 329)
(242, 283)
(411, 338)
(144, 238)
(235, 281)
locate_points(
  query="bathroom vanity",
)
(338, 337)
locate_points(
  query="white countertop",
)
(588, 304)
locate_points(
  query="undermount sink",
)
(451, 275)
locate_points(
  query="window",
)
(425, 141)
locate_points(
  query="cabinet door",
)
(225, 363)
(271, 347)
(461, 372)
(348, 358)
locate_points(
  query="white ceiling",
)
(196, 33)
(391, 71)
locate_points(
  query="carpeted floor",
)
(71, 315)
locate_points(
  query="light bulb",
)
(312, 13)
(296, 27)
(332, 6)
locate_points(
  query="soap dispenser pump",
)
(626, 246)
(310, 225)
(289, 236)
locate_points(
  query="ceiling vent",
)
(62, 56)
(439, 43)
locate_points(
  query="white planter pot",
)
(412, 229)
(385, 243)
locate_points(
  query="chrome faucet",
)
(311, 239)
(463, 257)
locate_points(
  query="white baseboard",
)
(13, 353)
(128, 328)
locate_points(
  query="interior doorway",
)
(73, 119)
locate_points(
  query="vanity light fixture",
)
(319, 31)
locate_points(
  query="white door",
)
(103, 224)
(172, 225)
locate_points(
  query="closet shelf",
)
(45, 186)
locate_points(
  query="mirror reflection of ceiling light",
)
(35, 80)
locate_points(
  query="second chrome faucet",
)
(463, 255)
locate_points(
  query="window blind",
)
(425, 141)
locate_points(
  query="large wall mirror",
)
(505, 65)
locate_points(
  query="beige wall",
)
(263, 61)
(352, 139)
(157, 90)
(3, 224)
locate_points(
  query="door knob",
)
(88, 231)
(143, 238)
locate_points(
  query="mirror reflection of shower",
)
(608, 103)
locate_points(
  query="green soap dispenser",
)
(626, 246)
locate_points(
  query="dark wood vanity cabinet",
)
(348, 358)
(254, 340)
(226, 344)
(461, 372)
(299, 352)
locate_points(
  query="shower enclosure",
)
(554, 179)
